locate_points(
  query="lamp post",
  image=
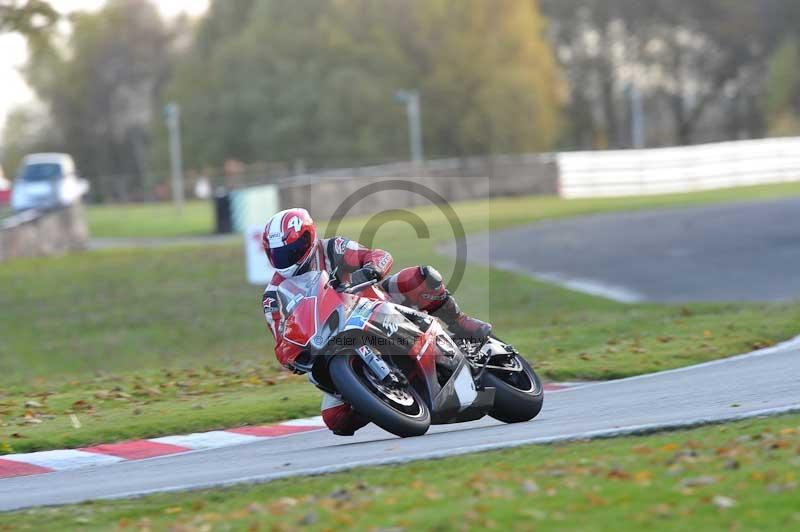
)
(172, 113)
(638, 132)
(411, 100)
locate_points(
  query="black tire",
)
(513, 403)
(348, 375)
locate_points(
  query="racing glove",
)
(367, 273)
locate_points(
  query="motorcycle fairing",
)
(315, 314)
(298, 327)
(456, 399)
(459, 400)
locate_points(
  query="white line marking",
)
(620, 294)
(592, 287)
(207, 440)
(306, 422)
(64, 459)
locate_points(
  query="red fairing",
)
(352, 256)
(286, 353)
(302, 324)
(424, 351)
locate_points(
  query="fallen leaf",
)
(529, 486)
(618, 474)
(596, 500)
(693, 482)
(723, 502)
(662, 509)
(81, 405)
(731, 464)
(309, 519)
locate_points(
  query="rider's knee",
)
(431, 277)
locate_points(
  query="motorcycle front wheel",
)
(400, 411)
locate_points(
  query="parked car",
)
(5, 188)
(47, 180)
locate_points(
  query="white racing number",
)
(295, 223)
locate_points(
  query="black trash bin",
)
(222, 209)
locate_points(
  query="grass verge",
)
(150, 220)
(737, 476)
(148, 342)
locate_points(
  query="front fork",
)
(378, 367)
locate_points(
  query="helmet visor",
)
(290, 254)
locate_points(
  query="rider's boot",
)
(461, 325)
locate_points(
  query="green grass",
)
(150, 220)
(740, 476)
(147, 342)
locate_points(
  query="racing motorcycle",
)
(399, 367)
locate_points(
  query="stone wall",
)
(38, 234)
(451, 179)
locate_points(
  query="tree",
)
(316, 80)
(26, 130)
(102, 92)
(689, 58)
(781, 101)
(32, 18)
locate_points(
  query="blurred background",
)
(268, 89)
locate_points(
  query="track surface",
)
(734, 252)
(765, 381)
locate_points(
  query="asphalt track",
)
(746, 251)
(759, 383)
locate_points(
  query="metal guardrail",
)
(16, 219)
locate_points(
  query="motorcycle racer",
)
(292, 248)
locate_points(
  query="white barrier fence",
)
(679, 169)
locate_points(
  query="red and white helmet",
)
(288, 240)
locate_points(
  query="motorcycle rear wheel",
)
(518, 396)
(399, 411)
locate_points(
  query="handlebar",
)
(353, 289)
